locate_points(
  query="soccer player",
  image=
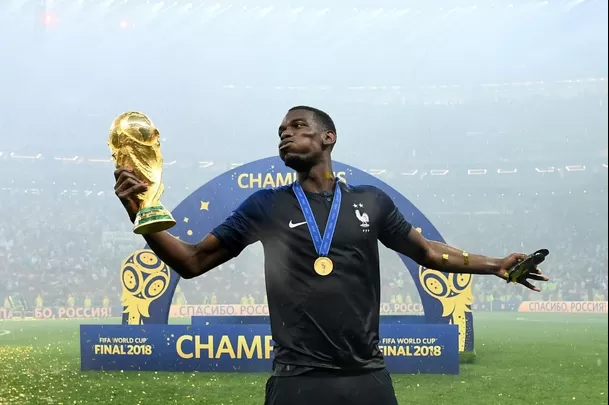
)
(323, 288)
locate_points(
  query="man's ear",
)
(328, 138)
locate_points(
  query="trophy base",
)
(152, 220)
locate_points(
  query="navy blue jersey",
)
(320, 321)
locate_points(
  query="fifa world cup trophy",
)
(135, 144)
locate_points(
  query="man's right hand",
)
(186, 259)
(126, 188)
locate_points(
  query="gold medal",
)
(323, 266)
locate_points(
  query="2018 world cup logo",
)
(144, 278)
(454, 291)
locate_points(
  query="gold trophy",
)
(135, 144)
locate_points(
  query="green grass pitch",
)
(522, 359)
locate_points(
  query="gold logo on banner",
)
(454, 291)
(144, 278)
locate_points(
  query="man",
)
(323, 289)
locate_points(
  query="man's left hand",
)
(512, 260)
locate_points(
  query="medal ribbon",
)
(322, 246)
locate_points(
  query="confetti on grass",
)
(12, 353)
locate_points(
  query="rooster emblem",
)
(362, 216)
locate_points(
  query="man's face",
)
(300, 141)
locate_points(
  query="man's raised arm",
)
(219, 246)
(186, 259)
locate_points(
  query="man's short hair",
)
(321, 118)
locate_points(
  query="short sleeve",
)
(394, 227)
(246, 224)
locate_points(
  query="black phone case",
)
(527, 265)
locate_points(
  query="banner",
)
(72, 313)
(186, 311)
(148, 286)
(60, 313)
(581, 307)
(496, 306)
(446, 298)
(226, 347)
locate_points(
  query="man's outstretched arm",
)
(397, 234)
(439, 256)
(442, 257)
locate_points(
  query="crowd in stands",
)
(58, 249)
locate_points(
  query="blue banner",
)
(446, 298)
(145, 341)
(236, 347)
